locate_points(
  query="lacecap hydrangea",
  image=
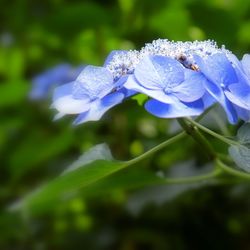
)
(180, 78)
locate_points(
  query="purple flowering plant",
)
(181, 80)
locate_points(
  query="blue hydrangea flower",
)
(227, 82)
(176, 90)
(43, 83)
(181, 78)
(90, 95)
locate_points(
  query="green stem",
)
(212, 133)
(231, 171)
(156, 148)
(194, 179)
(191, 128)
(184, 180)
(198, 137)
(222, 126)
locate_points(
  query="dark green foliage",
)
(36, 35)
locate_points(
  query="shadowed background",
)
(38, 35)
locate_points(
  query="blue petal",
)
(73, 73)
(230, 111)
(120, 86)
(120, 82)
(214, 90)
(99, 107)
(217, 68)
(65, 103)
(43, 82)
(239, 94)
(127, 92)
(192, 88)
(39, 91)
(112, 54)
(177, 109)
(246, 64)
(66, 89)
(217, 93)
(241, 68)
(68, 105)
(93, 81)
(243, 114)
(158, 94)
(159, 72)
(208, 100)
(235, 61)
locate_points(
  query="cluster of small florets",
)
(125, 62)
(180, 79)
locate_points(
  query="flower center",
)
(124, 63)
(167, 90)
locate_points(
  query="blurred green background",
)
(36, 35)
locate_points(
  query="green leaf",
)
(125, 179)
(243, 134)
(98, 152)
(91, 167)
(241, 152)
(241, 156)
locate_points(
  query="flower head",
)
(227, 82)
(87, 95)
(181, 78)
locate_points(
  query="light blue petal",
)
(99, 107)
(243, 114)
(230, 111)
(246, 64)
(159, 72)
(217, 93)
(65, 103)
(235, 61)
(239, 94)
(93, 81)
(214, 90)
(39, 91)
(192, 88)
(73, 73)
(44, 82)
(177, 109)
(243, 72)
(119, 87)
(158, 94)
(127, 92)
(66, 89)
(217, 68)
(120, 82)
(208, 100)
(69, 105)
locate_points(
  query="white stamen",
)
(125, 62)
